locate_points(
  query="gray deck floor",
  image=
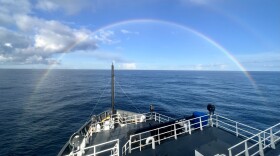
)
(273, 152)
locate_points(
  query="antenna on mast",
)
(113, 88)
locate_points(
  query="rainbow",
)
(188, 29)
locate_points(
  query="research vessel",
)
(118, 132)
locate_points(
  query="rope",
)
(105, 88)
(127, 96)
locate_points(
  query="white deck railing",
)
(160, 117)
(149, 116)
(112, 150)
(263, 141)
(134, 119)
(119, 118)
(237, 128)
(163, 133)
(137, 141)
(130, 119)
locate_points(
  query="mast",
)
(112, 88)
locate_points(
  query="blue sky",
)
(146, 34)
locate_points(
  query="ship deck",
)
(208, 142)
(121, 133)
(275, 152)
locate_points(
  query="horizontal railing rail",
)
(113, 150)
(237, 128)
(140, 140)
(263, 141)
(150, 137)
(161, 118)
(149, 116)
(109, 147)
(125, 148)
(130, 119)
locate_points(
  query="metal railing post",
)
(229, 152)
(94, 151)
(175, 134)
(236, 129)
(211, 121)
(189, 124)
(246, 149)
(159, 118)
(260, 146)
(158, 136)
(129, 148)
(217, 124)
(153, 143)
(140, 142)
(264, 139)
(200, 124)
(186, 126)
(155, 116)
(125, 149)
(118, 146)
(272, 139)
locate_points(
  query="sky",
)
(226, 35)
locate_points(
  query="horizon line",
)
(138, 69)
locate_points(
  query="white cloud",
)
(4, 59)
(37, 40)
(37, 59)
(19, 7)
(48, 39)
(105, 37)
(127, 66)
(124, 31)
(69, 7)
(213, 66)
(10, 8)
(8, 45)
(53, 41)
(5, 19)
(46, 5)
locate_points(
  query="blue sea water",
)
(39, 111)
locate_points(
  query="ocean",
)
(40, 109)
